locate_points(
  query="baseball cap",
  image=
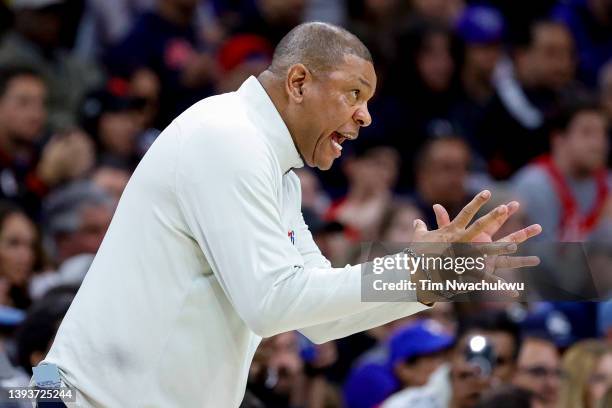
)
(548, 323)
(418, 339)
(480, 25)
(33, 4)
(241, 48)
(368, 385)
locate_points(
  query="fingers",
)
(469, 211)
(487, 222)
(514, 262)
(493, 279)
(419, 226)
(522, 235)
(442, 217)
(498, 248)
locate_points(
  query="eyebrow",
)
(363, 81)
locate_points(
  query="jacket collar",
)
(271, 123)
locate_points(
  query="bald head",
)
(319, 46)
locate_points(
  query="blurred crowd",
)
(511, 96)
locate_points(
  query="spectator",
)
(459, 383)
(331, 238)
(512, 131)
(446, 11)
(376, 23)
(111, 117)
(605, 88)
(35, 335)
(112, 179)
(271, 19)
(397, 225)
(106, 22)
(10, 376)
(590, 22)
(314, 198)
(567, 190)
(539, 370)
(277, 371)
(424, 86)
(35, 42)
(606, 401)
(504, 334)
(588, 374)
(165, 41)
(481, 28)
(20, 253)
(441, 176)
(372, 173)
(407, 359)
(604, 320)
(508, 397)
(77, 217)
(28, 172)
(417, 350)
(239, 57)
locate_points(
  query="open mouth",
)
(336, 141)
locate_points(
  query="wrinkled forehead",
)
(355, 70)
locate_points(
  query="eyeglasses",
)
(541, 372)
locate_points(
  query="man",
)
(504, 334)
(35, 41)
(590, 22)
(481, 28)
(441, 173)
(371, 173)
(77, 217)
(165, 40)
(27, 174)
(539, 370)
(208, 252)
(567, 190)
(416, 351)
(512, 129)
(458, 383)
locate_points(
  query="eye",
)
(355, 94)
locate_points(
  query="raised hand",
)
(480, 232)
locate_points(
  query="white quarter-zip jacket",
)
(206, 254)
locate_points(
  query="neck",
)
(273, 87)
(174, 14)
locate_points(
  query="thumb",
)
(419, 226)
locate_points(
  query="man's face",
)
(330, 108)
(552, 55)
(467, 383)
(22, 109)
(504, 350)
(442, 177)
(482, 58)
(416, 373)
(539, 371)
(586, 142)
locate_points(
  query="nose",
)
(362, 116)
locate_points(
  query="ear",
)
(298, 79)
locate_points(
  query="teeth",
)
(337, 145)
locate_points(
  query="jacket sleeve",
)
(381, 313)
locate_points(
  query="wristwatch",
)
(443, 293)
